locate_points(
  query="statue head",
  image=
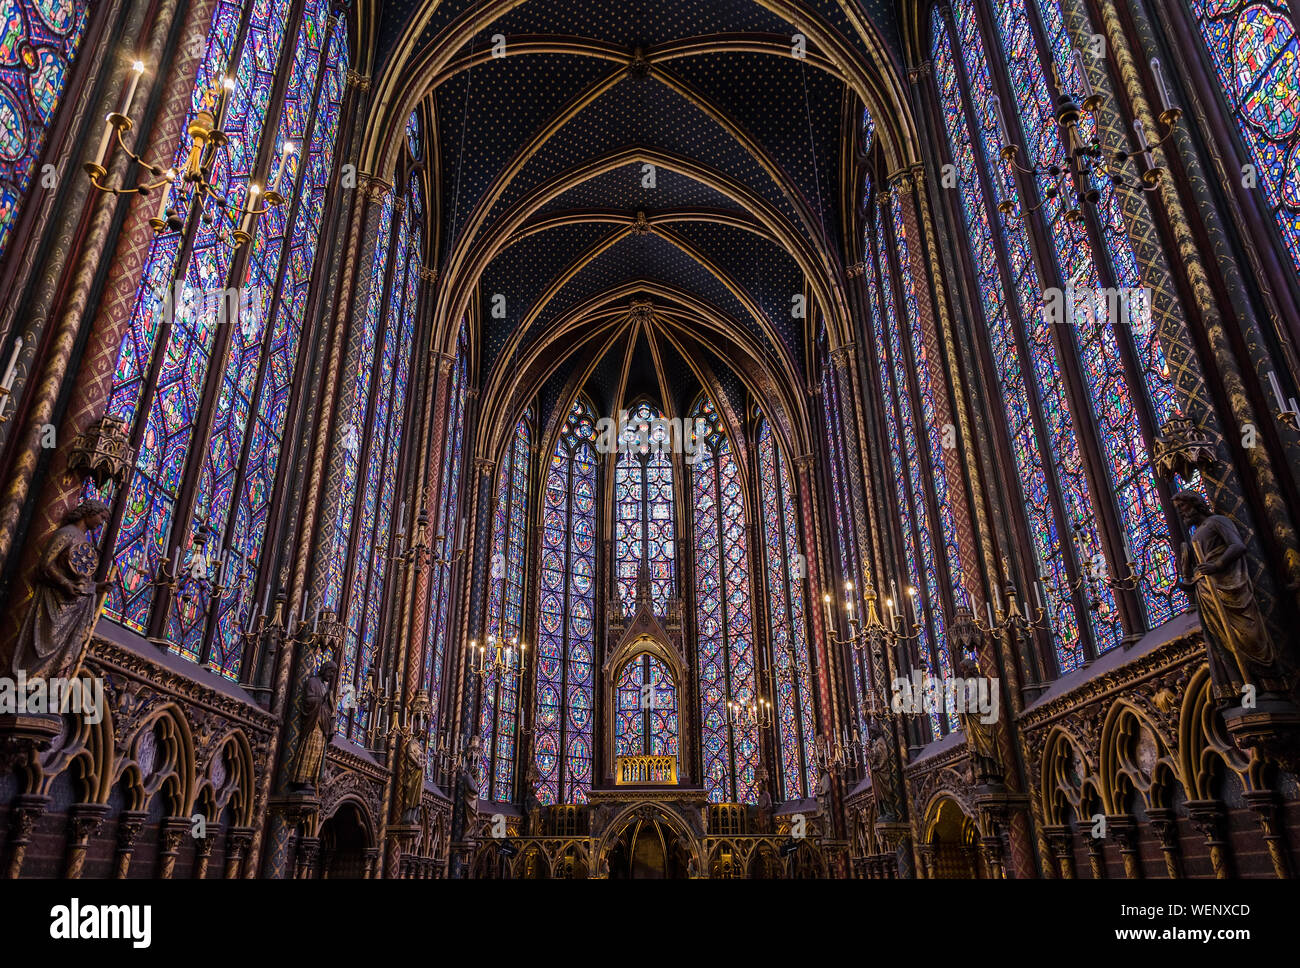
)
(1192, 507)
(328, 672)
(90, 513)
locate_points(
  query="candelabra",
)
(845, 752)
(1086, 159)
(869, 636)
(504, 663)
(755, 714)
(1288, 412)
(207, 138)
(7, 384)
(1012, 620)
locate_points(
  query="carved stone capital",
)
(102, 452)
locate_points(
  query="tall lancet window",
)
(366, 541)
(645, 521)
(836, 411)
(567, 609)
(1255, 53)
(1117, 393)
(208, 402)
(909, 371)
(39, 40)
(791, 657)
(441, 587)
(724, 616)
(645, 715)
(499, 694)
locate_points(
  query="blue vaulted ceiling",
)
(540, 155)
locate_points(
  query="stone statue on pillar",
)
(981, 737)
(411, 780)
(67, 601)
(316, 727)
(1215, 572)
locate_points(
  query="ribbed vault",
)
(670, 179)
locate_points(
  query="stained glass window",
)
(644, 524)
(202, 506)
(39, 40)
(909, 493)
(377, 516)
(448, 526)
(1113, 394)
(724, 616)
(844, 516)
(791, 656)
(1255, 52)
(567, 607)
(1047, 461)
(645, 720)
(499, 694)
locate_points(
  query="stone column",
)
(172, 835)
(203, 851)
(1207, 817)
(237, 842)
(1165, 825)
(1060, 840)
(84, 821)
(129, 825)
(26, 810)
(1124, 831)
(1264, 803)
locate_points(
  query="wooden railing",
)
(645, 770)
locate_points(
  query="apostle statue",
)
(981, 737)
(764, 802)
(469, 784)
(1240, 649)
(316, 727)
(67, 599)
(880, 759)
(411, 779)
(532, 802)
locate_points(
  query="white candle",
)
(266, 600)
(1002, 122)
(284, 163)
(401, 517)
(164, 193)
(12, 369)
(132, 80)
(105, 140)
(989, 607)
(460, 533)
(1083, 73)
(251, 205)
(223, 102)
(315, 624)
(1166, 103)
(1272, 381)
